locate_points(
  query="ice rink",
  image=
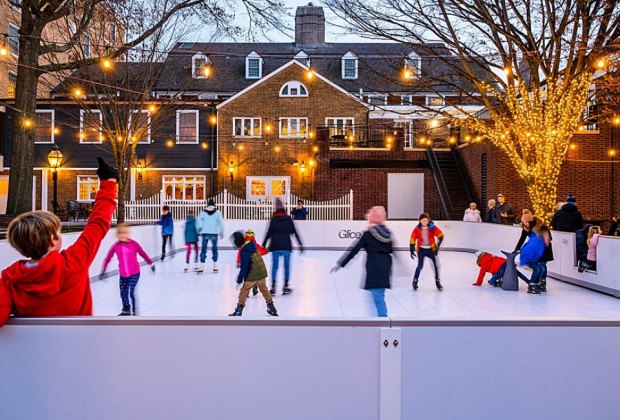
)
(319, 294)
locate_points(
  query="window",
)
(13, 39)
(247, 127)
(113, 33)
(377, 99)
(349, 66)
(90, 126)
(44, 126)
(412, 100)
(294, 89)
(11, 86)
(406, 127)
(435, 101)
(293, 127)
(303, 58)
(87, 187)
(266, 188)
(86, 46)
(177, 187)
(340, 126)
(253, 66)
(413, 63)
(140, 126)
(590, 117)
(199, 63)
(187, 126)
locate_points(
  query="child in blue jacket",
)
(531, 253)
(167, 229)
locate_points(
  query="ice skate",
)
(438, 285)
(238, 311)
(125, 311)
(273, 289)
(254, 290)
(200, 268)
(543, 286)
(271, 309)
(215, 267)
(287, 290)
(414, 284)
(533, 289)
(186, 269)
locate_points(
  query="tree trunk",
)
(123, 183)
(22, 152)
(543, 194)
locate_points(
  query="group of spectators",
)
(499, 211)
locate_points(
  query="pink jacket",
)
(592, 247)
(127, 253)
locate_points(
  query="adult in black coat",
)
(506, 212)
(377, 242)
(614, 230)
(568, 218)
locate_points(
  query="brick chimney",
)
(309, 25)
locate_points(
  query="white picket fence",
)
(232, 207)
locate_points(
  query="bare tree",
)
(84, 23)
(529, 63)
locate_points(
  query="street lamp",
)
(231, 170)
(139, 168)
(55, 159)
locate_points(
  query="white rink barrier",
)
(339, 235)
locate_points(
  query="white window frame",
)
(298, 134)
(87, 45)
(14, 50)
(294, 84)
(135, 111)
(414, 63)
(430, 98)
(344, 125)
(86, 179)
(268, 180)
(352, 57)
(52, 121)
(82, 136)
(164, 183)
(178, 134)
(260, 123)
(303, 58)
(200, 74)
(253, 56)
(408, 132)
(383, 96)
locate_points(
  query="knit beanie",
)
(376, 215)
(211, 205)
(249, 234)
(571, 199)
(278, 204)
(527, 216)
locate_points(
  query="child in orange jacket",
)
(490, 264)
(423, 242)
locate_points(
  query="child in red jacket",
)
(423, 242)
(490, 264)
(54, 282)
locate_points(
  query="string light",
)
(309, 74)
(77, 92)
(169, 143)
(27, 123)
(106, 63)
(601, 63)
(277, 149)
(204, 145)
(616, 120)
(213, 119)
(315, 149)
(207, 71)
(611, 153)
(573, 146)
(152, 108)
(506, 70)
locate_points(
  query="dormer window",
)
(412, 66)
(291, 89)
(303, 58)
(349, 66)
(200, 66)
(253, 66)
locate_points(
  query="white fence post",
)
(225, 210)
(351, 204)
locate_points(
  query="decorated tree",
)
(530, 64)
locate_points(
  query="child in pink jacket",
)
(127, 250)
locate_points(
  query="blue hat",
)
(571, 199)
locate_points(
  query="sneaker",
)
(414, 284)
(287, 290)
(215, 267)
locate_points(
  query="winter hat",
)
(376, 215)
(211, 205)
(571, 199)
(527, 216)
(278, 204)
(249, 234)
(237, 239)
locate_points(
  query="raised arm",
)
(143, 254)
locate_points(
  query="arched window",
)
(294, 88)
(349, 66)
(413, 66)
(253, 66)
(199, 63)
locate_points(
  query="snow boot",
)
(271, 309)
(254, 290)
(414, 284)
(438, 285)
(238, 311)
(215, 267)
(125, 311)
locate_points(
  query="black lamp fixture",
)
(54, 158)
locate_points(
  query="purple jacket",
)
(127, 253)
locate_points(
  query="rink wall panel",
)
(339, 235)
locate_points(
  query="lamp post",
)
(231, 171)
(55, 159)
(139, 168)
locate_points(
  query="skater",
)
(490, 264)
(472, 214)
(252, 272)
(377, 242)
(251, 236)
(191, 239)
(530, 255)
(544, 233)
(167, 229)
(281, 227)
(211, 226)
(127, 250)
(52, 282)
(423, 242)
(299, 212)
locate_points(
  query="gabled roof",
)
(292, 62)
(379, 65)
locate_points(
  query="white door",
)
(405, 196)
(4, 192)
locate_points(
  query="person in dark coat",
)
(614, 230)
(506, 213)
(281, 227)
(377, 242)
(299, 212)
(492, 215)
(581, 243)
(568, 218)
(545, 234)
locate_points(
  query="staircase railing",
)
(464, 174)
(444, 196)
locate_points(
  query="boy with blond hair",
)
(52, 282)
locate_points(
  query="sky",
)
(332, 32)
